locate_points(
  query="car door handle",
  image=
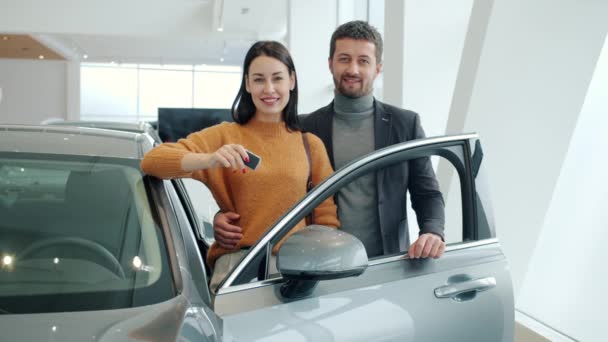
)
(477, 285)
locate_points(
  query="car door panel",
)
(395, 300)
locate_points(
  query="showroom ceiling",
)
(141, 31)
(25, 47)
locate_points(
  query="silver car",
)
(93, 250)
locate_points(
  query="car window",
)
(204, 207)
(449, 185)
(448, 161)
(77, 234)
(360, 192)
(483, 204)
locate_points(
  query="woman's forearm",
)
(196, 161)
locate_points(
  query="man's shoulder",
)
(398, 113)
(317, 113)
(406, 122)
(310, 121)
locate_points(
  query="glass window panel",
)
(449, 185)
(204, 206)
(86, 227)
(184, 67)
(164, 88)
(218, 68)
(215, 90)
(108, 93)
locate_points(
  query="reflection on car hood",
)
(160, 322)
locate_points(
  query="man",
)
(373, 207)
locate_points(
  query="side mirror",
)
(318, 253)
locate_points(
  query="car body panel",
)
(173, 320)
(397, 296)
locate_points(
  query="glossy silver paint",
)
(134, 127)
(160, 322)
(392, 301)
(321, 250)
(395, 299)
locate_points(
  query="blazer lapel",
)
(382, 126)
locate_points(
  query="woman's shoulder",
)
(313, 139)
(315, 142)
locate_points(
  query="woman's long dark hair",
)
(243, 108)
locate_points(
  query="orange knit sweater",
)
(259, 196)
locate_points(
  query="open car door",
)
(466, 295)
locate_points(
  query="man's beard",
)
(351, 93)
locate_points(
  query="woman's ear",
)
(292, 81)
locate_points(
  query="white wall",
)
(566, 277)
(423, 46)
(351, 10)
(535, 68)
(32, 90)
(310, 26)
(434, 36)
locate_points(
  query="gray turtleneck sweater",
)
(353, 137)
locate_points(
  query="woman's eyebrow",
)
(273, 74)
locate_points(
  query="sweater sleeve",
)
(165, 160)
(326, 212)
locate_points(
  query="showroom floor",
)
(523, 334)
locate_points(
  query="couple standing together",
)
(266, 123)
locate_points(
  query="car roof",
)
(115, 125)
(74, 141)
(136, 127)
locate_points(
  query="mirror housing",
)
(318, 253)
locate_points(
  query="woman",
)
(266, 123)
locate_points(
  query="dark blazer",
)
(393, 125)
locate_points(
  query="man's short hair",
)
(358, 30)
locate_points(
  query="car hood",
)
(159, 322)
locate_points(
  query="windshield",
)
(77, 234)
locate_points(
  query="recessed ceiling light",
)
(5, 38)
(222, 59)
(220, 29)
(41, 57)
(85, 56)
